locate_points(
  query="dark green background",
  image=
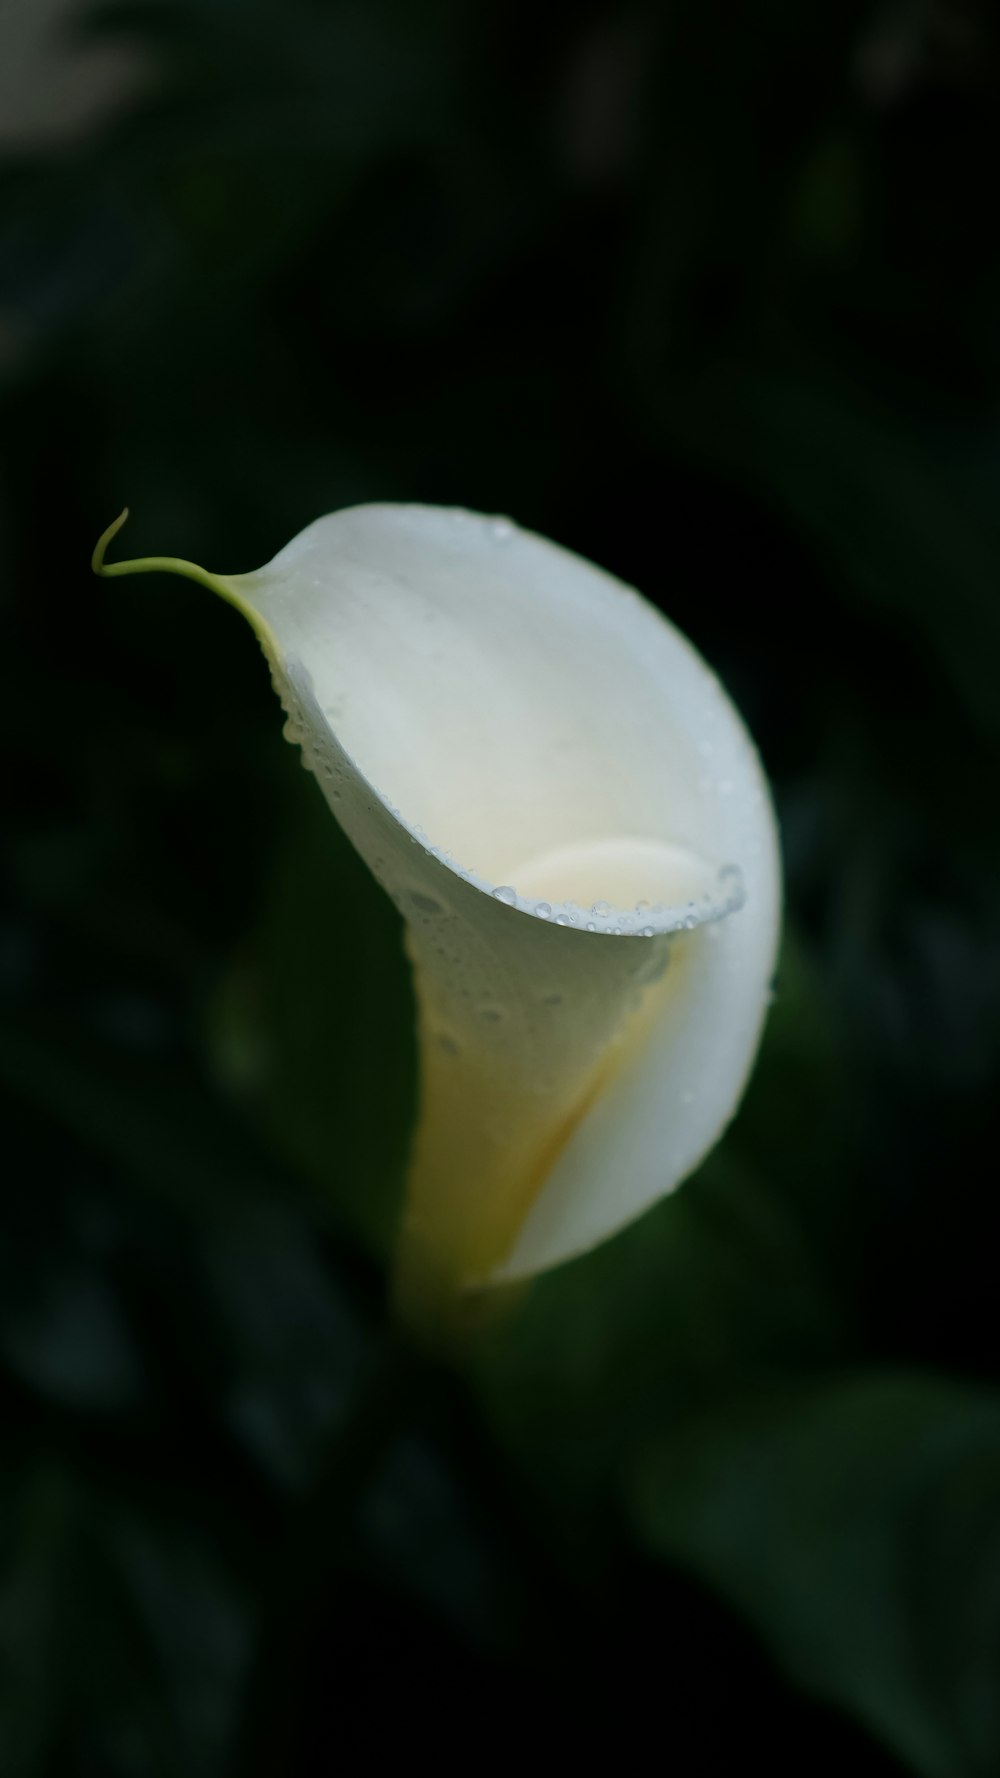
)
(711, 294)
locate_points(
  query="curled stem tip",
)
(97, 559)
(225, 585)
(150, 564)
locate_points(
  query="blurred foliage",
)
(711, 294)
(856, 1522)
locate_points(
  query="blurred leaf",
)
(324, 999)
(295, 1340)
(159, 1124)
(856, 1522)
(894, 506)
(70, 1341)
(38, 1514)
(177, 1597)
(419, 1528)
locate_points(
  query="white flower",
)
(570, 815)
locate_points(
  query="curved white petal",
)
(568, 811)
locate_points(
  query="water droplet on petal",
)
(543, 910)
(505, 894)
(602, 909)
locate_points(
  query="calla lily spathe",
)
(571, 817)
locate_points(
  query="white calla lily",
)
(570, 815)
